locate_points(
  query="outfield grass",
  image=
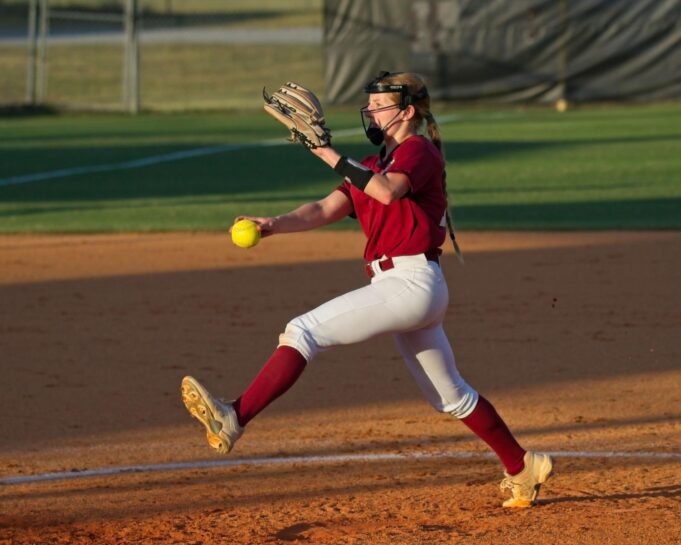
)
(174, 76)
(233, 13)
(593, 168)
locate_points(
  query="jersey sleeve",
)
(344, 188)
(419, 160)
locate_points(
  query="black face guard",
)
(373, 133)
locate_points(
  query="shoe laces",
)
(507, 483)
(517, 486)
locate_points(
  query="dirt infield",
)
(574, 337)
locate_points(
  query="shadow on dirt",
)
(107, 354)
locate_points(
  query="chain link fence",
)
(155, 54)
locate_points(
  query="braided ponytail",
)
(434, 134)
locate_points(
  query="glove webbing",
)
(303, 139)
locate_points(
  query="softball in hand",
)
(245, 234)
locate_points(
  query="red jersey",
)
(415, 223)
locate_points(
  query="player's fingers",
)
(264, 225)
(237, 220)
(252, 218)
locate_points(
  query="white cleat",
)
(525, 485)
(219, 419)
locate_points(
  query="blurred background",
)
(204, 54)
(155, 54)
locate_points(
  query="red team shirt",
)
(413, 224)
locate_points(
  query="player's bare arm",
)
(330, 209)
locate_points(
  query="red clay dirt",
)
(573, 336)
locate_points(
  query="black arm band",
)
(358, 174)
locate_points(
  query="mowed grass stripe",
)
(594, 168)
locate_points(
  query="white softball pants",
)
(409, 302)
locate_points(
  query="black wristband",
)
(358, 174)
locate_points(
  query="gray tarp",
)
(508, 50)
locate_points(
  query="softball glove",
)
(300, 111)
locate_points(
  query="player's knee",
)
(297, 336)
(465, 404)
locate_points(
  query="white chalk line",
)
(312, 460)
(169, 157)
(129, 165)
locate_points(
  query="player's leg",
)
(392, 303)
(398, 300)
(224, 421)
(401, 299)
(430, 359)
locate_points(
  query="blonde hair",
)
(416, 85)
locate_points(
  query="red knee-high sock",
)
(486, 423)
(277, 375)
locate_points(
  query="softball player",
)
(398, 198)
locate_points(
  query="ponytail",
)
(433, 130)
(434, 134)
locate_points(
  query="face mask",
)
(375, 134)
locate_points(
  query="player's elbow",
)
(388, 189)
(388, 195)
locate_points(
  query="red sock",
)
(277, 375)
(486, 423)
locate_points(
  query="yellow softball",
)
(245, 234)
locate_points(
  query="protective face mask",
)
(375, 134)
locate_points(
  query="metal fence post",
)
(563, 56)
(42, 52)
(32, 52)
(131, 87)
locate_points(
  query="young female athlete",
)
(399, 199)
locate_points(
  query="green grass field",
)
(242, 13)
(615, 167)
(175, 76)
